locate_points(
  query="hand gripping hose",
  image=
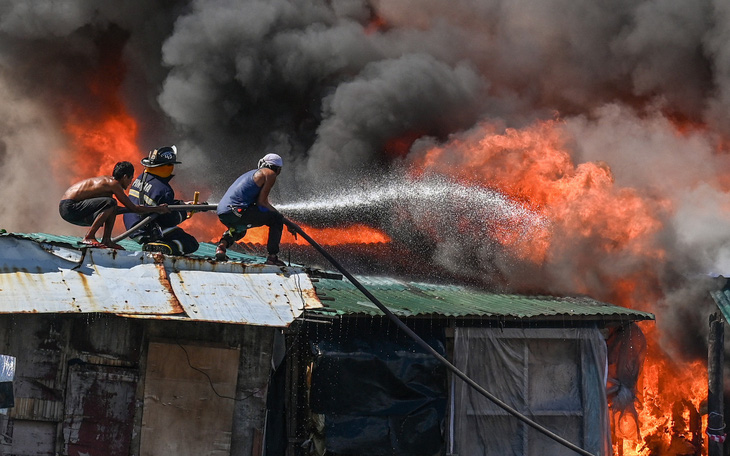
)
(295, 228)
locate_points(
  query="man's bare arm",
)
(270, 180)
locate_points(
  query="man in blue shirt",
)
(152, 188)
(246, 205)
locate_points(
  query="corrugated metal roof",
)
(205, 251)
(63, 275)
(47, 273)
(407, 299)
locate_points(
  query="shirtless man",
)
(91, 203)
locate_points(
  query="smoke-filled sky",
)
(634, 97)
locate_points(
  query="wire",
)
(210, 381)
(506, 407)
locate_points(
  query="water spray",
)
(293, 227)
(418, 198)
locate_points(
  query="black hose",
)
(180, 207)
(151, 217)
(293, 226)
(139, 225)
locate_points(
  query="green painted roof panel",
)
(415, 298)
(205, 250)
(423, 299)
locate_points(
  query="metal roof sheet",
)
(46, 273)
(407, 299)
(722, 299)
(205, 251)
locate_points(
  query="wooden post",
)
(715, 360)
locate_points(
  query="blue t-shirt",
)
(243, 193)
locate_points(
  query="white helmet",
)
(271, 160)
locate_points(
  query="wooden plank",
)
(32, 438)
(715, 368)
(188, 401)
(99, 410)
(253, 379)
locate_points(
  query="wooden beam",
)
(715, 361)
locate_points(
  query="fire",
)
(532, 165)
(208, 229)
(589, 213)
(670, 413)
(398, 147)
(99, 145)
(101, 131)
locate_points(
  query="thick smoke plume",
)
(354, 94)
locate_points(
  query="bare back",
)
(92, 188)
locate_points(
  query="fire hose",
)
(293, 227)
(174, 207)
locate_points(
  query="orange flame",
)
(99, 145)
(100, 129)
(533, 166)
(670, 402)
(208, 228)
(586, 208)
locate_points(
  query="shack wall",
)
(80, 381)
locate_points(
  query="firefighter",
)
(152, 188)
(91, 203)
(246, 204)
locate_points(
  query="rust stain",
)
(87, 289)
(310, 293)
(165, 282)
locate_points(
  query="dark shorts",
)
(253, 217)
(84, 212)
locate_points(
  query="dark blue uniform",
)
(151, 190)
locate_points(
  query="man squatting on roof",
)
(152, 188)
(246, 204)
(91, 203)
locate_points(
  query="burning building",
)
(129, 352)
(536, 147)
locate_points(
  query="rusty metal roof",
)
(412, 299)
(48, 273)
(56, 274)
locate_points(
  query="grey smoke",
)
(329, 84)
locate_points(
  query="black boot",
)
(274, 260)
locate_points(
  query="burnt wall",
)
(80, 380)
